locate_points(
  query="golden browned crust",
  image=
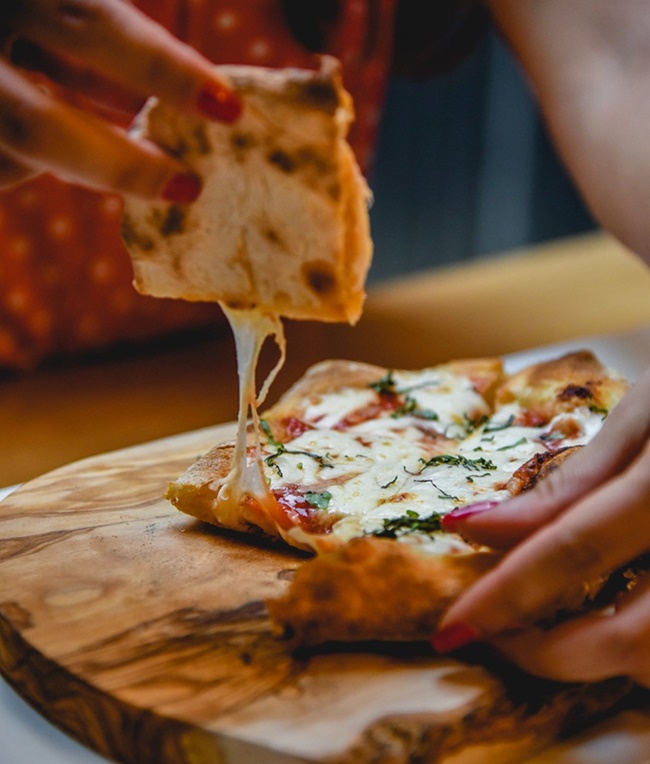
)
(538, 468)
(563, 384)
(195, 491)
(373, 589)
(324, 377)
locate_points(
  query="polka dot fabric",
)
(65, 276)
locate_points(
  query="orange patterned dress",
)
(65, 277)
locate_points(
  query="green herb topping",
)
(386, 384)
(496, 426)
(318, 500)
(411, 522)
(481, 463)
(519, 442)
(323, 461)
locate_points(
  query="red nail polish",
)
(218, 103)
(454, 637)
(450, 521)
(182, 188)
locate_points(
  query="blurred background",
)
(464, 169)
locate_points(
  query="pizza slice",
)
(281, 225)
(361, 463)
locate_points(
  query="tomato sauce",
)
(385, 403)
(295, 508)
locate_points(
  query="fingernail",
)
(182, 188)
(450, 521)
(218, 103)
(454, 637)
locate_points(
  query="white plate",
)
(27, 737)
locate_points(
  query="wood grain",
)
(144, 635)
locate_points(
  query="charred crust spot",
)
(538, 468)
(174, 221)
(308, 156)
(319, 277)
(288, 632)
(320, 94)
(575, 391)
(179, 150)
(241, 143)
(133, 238)
(202, 143)
(271, 235)
(282, 160)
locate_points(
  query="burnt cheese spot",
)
(241, 144)
(179, 150)
(320, 94)
(319, 277)
(133, 238)
(575, 391)
(201, 140)
(273, 237)
(282, 160)
(174, 221)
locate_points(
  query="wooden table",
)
(568, 288)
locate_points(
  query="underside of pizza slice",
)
(281, 225)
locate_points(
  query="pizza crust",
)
(372, 589)
(281, 225)
(560, 384)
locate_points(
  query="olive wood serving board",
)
(143, 634)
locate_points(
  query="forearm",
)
(588, 63)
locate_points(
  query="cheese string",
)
(250, 329)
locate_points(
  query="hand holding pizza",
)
(100, 52)
(585, 520)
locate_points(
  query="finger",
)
(624, 432)
(545, 572)
(120, 42)
(42, 133)
(589, 648)
(78, 80)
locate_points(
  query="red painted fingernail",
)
(218, 103)
(450, 521)
(182, 188)
(454, 637)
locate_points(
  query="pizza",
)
(281, 226)
(358, 465)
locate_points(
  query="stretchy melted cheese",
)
(246, 481)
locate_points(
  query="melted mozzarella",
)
(250, 328)
(395, 465)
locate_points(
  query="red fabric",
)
(65, 277)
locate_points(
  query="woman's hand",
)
(589, 517)
(88, 47)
